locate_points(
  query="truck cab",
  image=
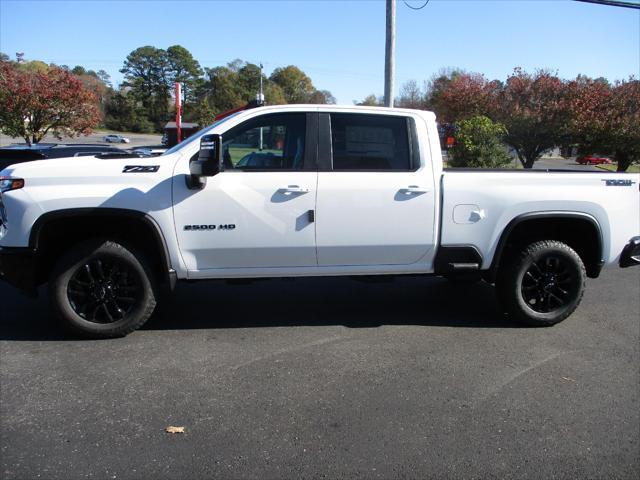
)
(311, 190)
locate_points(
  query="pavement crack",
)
(515, 375)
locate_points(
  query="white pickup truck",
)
(305, 190)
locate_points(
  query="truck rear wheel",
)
(102, 289)
(542, 285)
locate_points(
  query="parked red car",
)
(591, 160)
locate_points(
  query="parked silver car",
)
(115, 139)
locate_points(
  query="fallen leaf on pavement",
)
(174, 429)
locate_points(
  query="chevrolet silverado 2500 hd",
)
(305, 191)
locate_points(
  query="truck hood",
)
(87, 182)
(86, 167)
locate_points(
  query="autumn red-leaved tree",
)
(534, 109)
(465, 95)
(34, 103)
(606, 118)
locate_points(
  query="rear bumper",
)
(18, 268)
(630, 255)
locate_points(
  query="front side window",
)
(370, 142)
(196, 136)
(269, 142)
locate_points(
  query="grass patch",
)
(612, 168)
(237, 153)
(510, 165)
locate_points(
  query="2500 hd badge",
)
(228, 226)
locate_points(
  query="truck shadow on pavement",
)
(424, 301)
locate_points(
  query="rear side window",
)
(370, 142)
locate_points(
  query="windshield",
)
(197, 135)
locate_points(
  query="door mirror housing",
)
(208, 163)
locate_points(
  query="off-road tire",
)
(541, 285)
(102, 289)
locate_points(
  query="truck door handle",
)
(294, 189)
(414, 189)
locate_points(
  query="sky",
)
(340, 43)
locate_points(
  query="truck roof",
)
(342, 109)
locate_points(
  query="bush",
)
(479, 144)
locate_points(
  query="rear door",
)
(376, 200)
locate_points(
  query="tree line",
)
(531, 113)
(144, 101)
(36, 98)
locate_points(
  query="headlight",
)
(10, 183)
(7, 184)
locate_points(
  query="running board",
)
(464, 266)
(458, 258)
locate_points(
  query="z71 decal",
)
(141, 168)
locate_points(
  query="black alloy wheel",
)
(549, 284)
(104, 290)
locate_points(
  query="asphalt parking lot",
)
(545, 163)
(327, 378)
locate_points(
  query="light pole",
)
(260, 100)
(178, 111)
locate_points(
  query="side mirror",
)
(208, 163)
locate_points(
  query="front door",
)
(258, 212)
(376, 198)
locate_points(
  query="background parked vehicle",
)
(149, 151)
(592, 160)
(115, 139)
(21, 153)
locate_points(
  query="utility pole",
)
(390, 54)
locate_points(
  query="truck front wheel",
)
(102, 289)
(542, 285)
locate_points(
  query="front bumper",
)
(18, 268)
(630, 255)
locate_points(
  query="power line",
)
(613, 3)
(417, 8)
